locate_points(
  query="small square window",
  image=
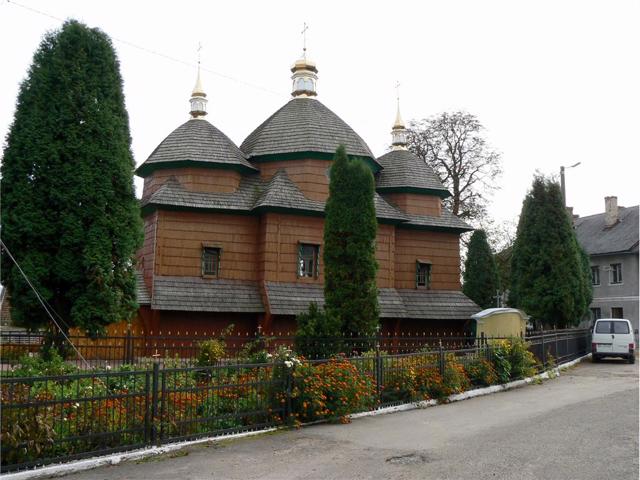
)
(616, 273)
(211, 261)
(423, 275)
(308, 260)
(617, 312)
(595, 275)
(596, 313)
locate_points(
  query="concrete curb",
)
(114, 459)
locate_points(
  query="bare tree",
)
(454, 146)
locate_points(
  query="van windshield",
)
(612, 327)
(620, 327)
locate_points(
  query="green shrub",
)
(318, 334)
(211, 352)
(481, 372)
(522, 360)
(37, 366)
(330, 390)
(455, 379)
(501, 362)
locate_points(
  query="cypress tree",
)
(549, 277)
(69, 213)
(480, 276)
(350, 228)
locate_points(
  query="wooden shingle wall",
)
(441, 249)
(416, 203)
(181, 236)
(385, 254)
(146, 254)
(207, 180)
(280, 236)
(310, 175)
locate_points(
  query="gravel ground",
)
(583, 425)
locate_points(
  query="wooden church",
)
(235, 235)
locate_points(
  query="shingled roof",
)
(403, 170)
(196, 142)
(173, 194)
(254, 194)
(446, 221)
(206, 295)
(437, 304)
(597, 239)
(294, 298)
(142, 293)
(304, 125)
(281, 193)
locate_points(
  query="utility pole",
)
(562, 187)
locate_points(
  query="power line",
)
(43, 302)
(158, 53)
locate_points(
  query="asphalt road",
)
(582, 425)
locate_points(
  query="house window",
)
(211, 261)
(595, 275)
(616, 312)
(616, 273)
(308, 260)
(596, 313)
(423, 274)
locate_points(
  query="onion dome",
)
(196, 143)
(403, 171)
(198, 99)
(301, 126)
(304, 127)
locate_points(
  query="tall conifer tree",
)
(481, 282)
(69, 213)
(350, 231)
(549, 275)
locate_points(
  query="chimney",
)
(610, 211)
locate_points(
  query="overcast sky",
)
(554, 82)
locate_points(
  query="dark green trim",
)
(152, 207)
(424, 191)
(276, 157)
(434, 228)
(147, 168)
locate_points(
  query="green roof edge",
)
(147, 168)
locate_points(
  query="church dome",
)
(196, 143)
(303, 125)
(404, 171)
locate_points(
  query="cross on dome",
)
(198, 98)
(304, 72)
(398, 131)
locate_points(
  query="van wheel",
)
(595, 358)
(632, 358)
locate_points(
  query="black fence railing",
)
(184, 348)
(48, 419)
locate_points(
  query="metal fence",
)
(60, 418)
(143, 349)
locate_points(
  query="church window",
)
(308, 260)
(211, 261)
(423, 274)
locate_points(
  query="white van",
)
(612, 337)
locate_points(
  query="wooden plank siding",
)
(440, 248)
(310, 175)
(280, 236)
(146, 254)
(181, 236)
(416, 203)
(206, 180)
